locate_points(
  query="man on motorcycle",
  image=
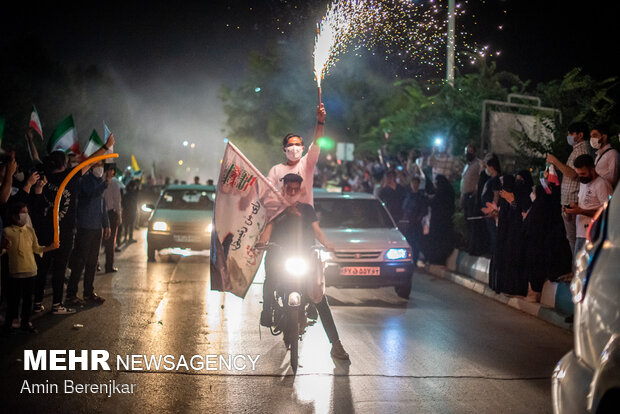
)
(295, 229)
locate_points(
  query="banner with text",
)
(239, 218)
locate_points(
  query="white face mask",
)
(533, 196)
(98, 172)
(19, 176)
(23, 219)
(571, 140)
(292, 199)
(293, 153)
(595, 143)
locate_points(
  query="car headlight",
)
(160, 226)
(146, 208)
(209, 228)
(396, 254)
(325, 255)
(296, 266)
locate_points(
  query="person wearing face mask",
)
(594, 191)
(606, 160)
(56, 170)
(21, 243)
(569, 191)
(489, 196)
(92, 222)
(297, 163)
(295, 229)
(393, 195)
(469, 200)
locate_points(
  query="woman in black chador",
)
(547, 254)
(506, 273)
(439, 242)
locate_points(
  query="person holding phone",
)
(569, 189)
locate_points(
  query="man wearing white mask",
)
(569, 191)
(92, 223)
(293, 148)
(606, 160)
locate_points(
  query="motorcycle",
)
(294, 288)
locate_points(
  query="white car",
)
(587, 379)
(370, 251)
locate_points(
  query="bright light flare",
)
(296, 266)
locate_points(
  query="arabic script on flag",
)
(239, 218)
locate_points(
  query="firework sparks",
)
(343, 21)
(412, 33)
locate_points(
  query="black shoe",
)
(266, 318)
(312, 312)
(111, 270)
(117, 249)
(28, 329)
(94, 298)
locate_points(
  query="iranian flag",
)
(94, 143)
(106, 135)
(35, 122)
(240, 215)
(64, 137)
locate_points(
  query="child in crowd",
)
(20, 242)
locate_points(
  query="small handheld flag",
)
(35, 122)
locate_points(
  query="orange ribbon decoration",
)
(64, 183)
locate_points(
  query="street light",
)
(185, 143)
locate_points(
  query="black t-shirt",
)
(393, 199)
(43, 221)
(493, 184)
(293, 232)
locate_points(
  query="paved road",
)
(447, 350)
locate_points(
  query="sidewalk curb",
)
(549, 315)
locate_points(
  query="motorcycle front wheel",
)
(292, 337)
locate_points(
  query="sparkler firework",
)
(343, 21)
(413, 33)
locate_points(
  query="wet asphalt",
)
(446, 350)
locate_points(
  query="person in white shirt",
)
(594, 191)
(112, 196)
(293, 148)
(606, 160)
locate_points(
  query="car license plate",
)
(360, 271)
(185, 238)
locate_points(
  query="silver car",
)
(587, 379)
(370, 251)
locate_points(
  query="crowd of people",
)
(530, 227)
(93, 208)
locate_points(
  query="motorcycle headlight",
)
(294, 299)
(396, 254)
(160, 226)
(296, 266)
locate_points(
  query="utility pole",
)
(450, 43)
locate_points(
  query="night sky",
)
(173, 57)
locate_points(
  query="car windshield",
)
(351, 213)
(186, 200)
